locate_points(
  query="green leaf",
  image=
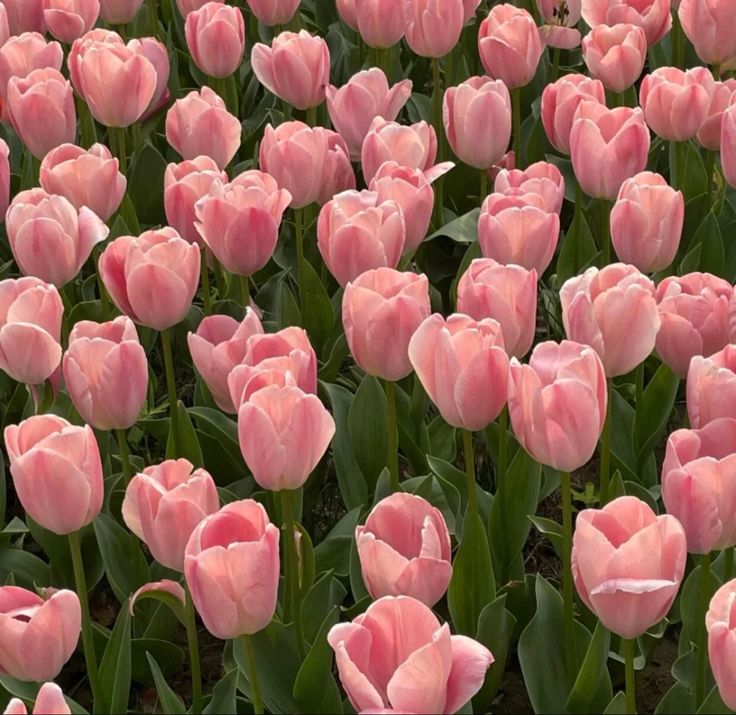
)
(168, 599)
(551, 529)
(170, 701)
(714, 705)
(318, 315)
(27, 569)
(591, 672)
(223, 695)
(695, 176)
(368, 429)
(326, 593)
(187, 441)
(144, 185)
(654, 412)
(224, 432)
(463, 229)
(706, 252)
(678, 699)
(115, 667)
(578, 248)
(333, 554)
(617, 706)
(306, 562)
(29, 692)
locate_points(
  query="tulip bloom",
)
(615, 55)
(49, 701)
(694, 310)
(22, 54)
(215, 35)
(709, 134)
(720, 621)
(477, 120)
(157, 54)
(381, 309)
(119, 12)
(380, 23)
(628, 564)
(4, 178)
(709, 25)
(274, 12)
(106, 373)
(164, 504)
(199, 124)
(711, 387)
(653, 16)
(646, 222)
(67, 20)
(232, 569)
(542, 178)
(728, 144)
(355, 105)
(37, 636)
(85, 177)
(557, 403)
(433, 27)
(187, 6)
(396, 657)
(25, 16)
(296, 68)
(560, 18)
(508, 294)
(152, 278)
(404, 549)
(57, 472)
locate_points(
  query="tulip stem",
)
(705, 594)
(567, 585)
(153, 17)
(639, 380)
(299, 233)
(219, 279)
(629, 648)
(710, 165)
(171, 387)
(194, 664)
(516, 113)
(116, 136)
(104, 302)
(606, 232)
(206, 291)
(393, 435)
(438, 126)
(312, 116)
(503, 426)
(87, 640)
(681, 160)
(555, 63)
(483, 184)
(728, 564)
(124, 455)
(292, 605)
(470, 472)
(244, 292)
(678, 43)
(255, 688)
(606, 448)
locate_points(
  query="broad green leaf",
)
(145, 180)
(224, 432)
(368, 428)
(578, 248)
(713, 704)
(551, 529)
(318, 315)
(591, 672)
(223, 695)
(706, 251)
(326, 593)
(333, 553)
(29, 691)
(187, 444)
(463, 229)
(617, 706)
(654, 412)
(170, 701)
(27, 569)
(115, 667)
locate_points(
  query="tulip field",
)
(367, 356)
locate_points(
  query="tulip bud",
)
(719, 622)
(68, 20)
(615, 55)
(433, 27)
(215, 35)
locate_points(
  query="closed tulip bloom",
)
(25, 16)
(200, 125)
(397, 657)
(607, 146)
(296, 68)
(615, 55)
(106, 373)
(709, 134)
(560, 18)
(152, 278)
(646, 222)
(239, 222)
(433, 27)
(37, 635)
(4, 178)
(57, 472)
(509, 45)
(508, 294)
(273, 13)
(85, 177)
(30, 329)
(158, 55)
(404, 549)
(721, 624)
(477, 119)
(218, 346)
(184, 184)
(49, 701)
(164, 503)
(614, 311)
(356, 104)
(22, 54)
(542, 178)
(709, 25)
(380, 23)
(414, 146)
(711, 387)
(232, 569)
(381, 309)
(728, 144)
(312, 164)
(357, 232)
(694, 310)
(458, 358)
(119, 12)
(348, 13)
(187, 6)
(67, 20)
(215, 35)
(653, 16)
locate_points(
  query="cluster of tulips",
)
(510, 245)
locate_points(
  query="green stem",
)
(503, 426)
(555, 63)
(219, 279)
(710, 165)
(87, 640)
(606, 231)
(153, 17)
(680, 154)
(678, 43)
(704, 599)
(117, 138)
(171, 387)
(312, 116)
(470, 471)
(255, 688)
(104, 300)
(244, 294)
(124, 455)
(483, 184)
(606, 448)
(717, 72)
(299, 232)
(639, 380)
(292, 605)
(393, 435)
(194, 663)
(728, 564)
(206, 291)
(567, 584)
(629, 647)
(439, 128)
(87, 131)
(516, 112)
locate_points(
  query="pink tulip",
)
(106, 373)
(25, 16)
(312, 164)
(356, 104)
(709, 25)
(404, 549)
(380, 23)
(30, 329)
(187, 6)
(348, 13)
(413, 146)
(164, 504)
(381, 309)
(721, 624)
(614, 311)
(218, 346)
(200, 125)
(458, 359)
(85, 177)
(433, 27)
(232, 569)
(49, 701)
(508, 294)
(239, 222)
(184, 184)
(396, 657)
(270, 12)
(560, 101)
(412, 190)
(477, 119)
(615, 55)
(509, 45)
(157, 54)
(518, 229)
(542, 178)
(152, 278)
(709, 134)
(68, 20)
(57, 472)
(215, 35)
(356, 232)
(560, 18)
(646, 222)
(470, 7)
(653, 16)
(728, 144)
(711, 387)
(167, 586)
(37, 636)
(4, 178)
(694, 310)
(296, 68)
(607, 146)
(119, 12)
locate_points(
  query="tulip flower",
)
(25, 16)
(719, 622)
(711, 387)
(187, 6)
(119, 12)
(157, 54)
(560, 18)
(274, 12)
(653, 16)
(433, 27)
(542, 178)
(380, 23)
(4, 178)
(68, 20)
(615, 55)
(728, 144)
(708, 24)
(49, 701)
(215, 35)
(709, 134)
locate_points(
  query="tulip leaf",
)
(223, 432)
(3, 490)
(578, 248)
(690, 608)
(706, 251)
(617, 706)
(357, 585)
(26, 568)
(333, 553)
(306, 561)
(591, 672)
(463, 229)
(170, 701)
(29, 692)
(185, 444)
(145, 179)
(678, 699)
(223, 698)
(551, 529)
(713, 704)
(165, 597)
(318, 316)
(368, 428)
(694, 174)
(654, 412)
(326, 593)
(116, 666)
